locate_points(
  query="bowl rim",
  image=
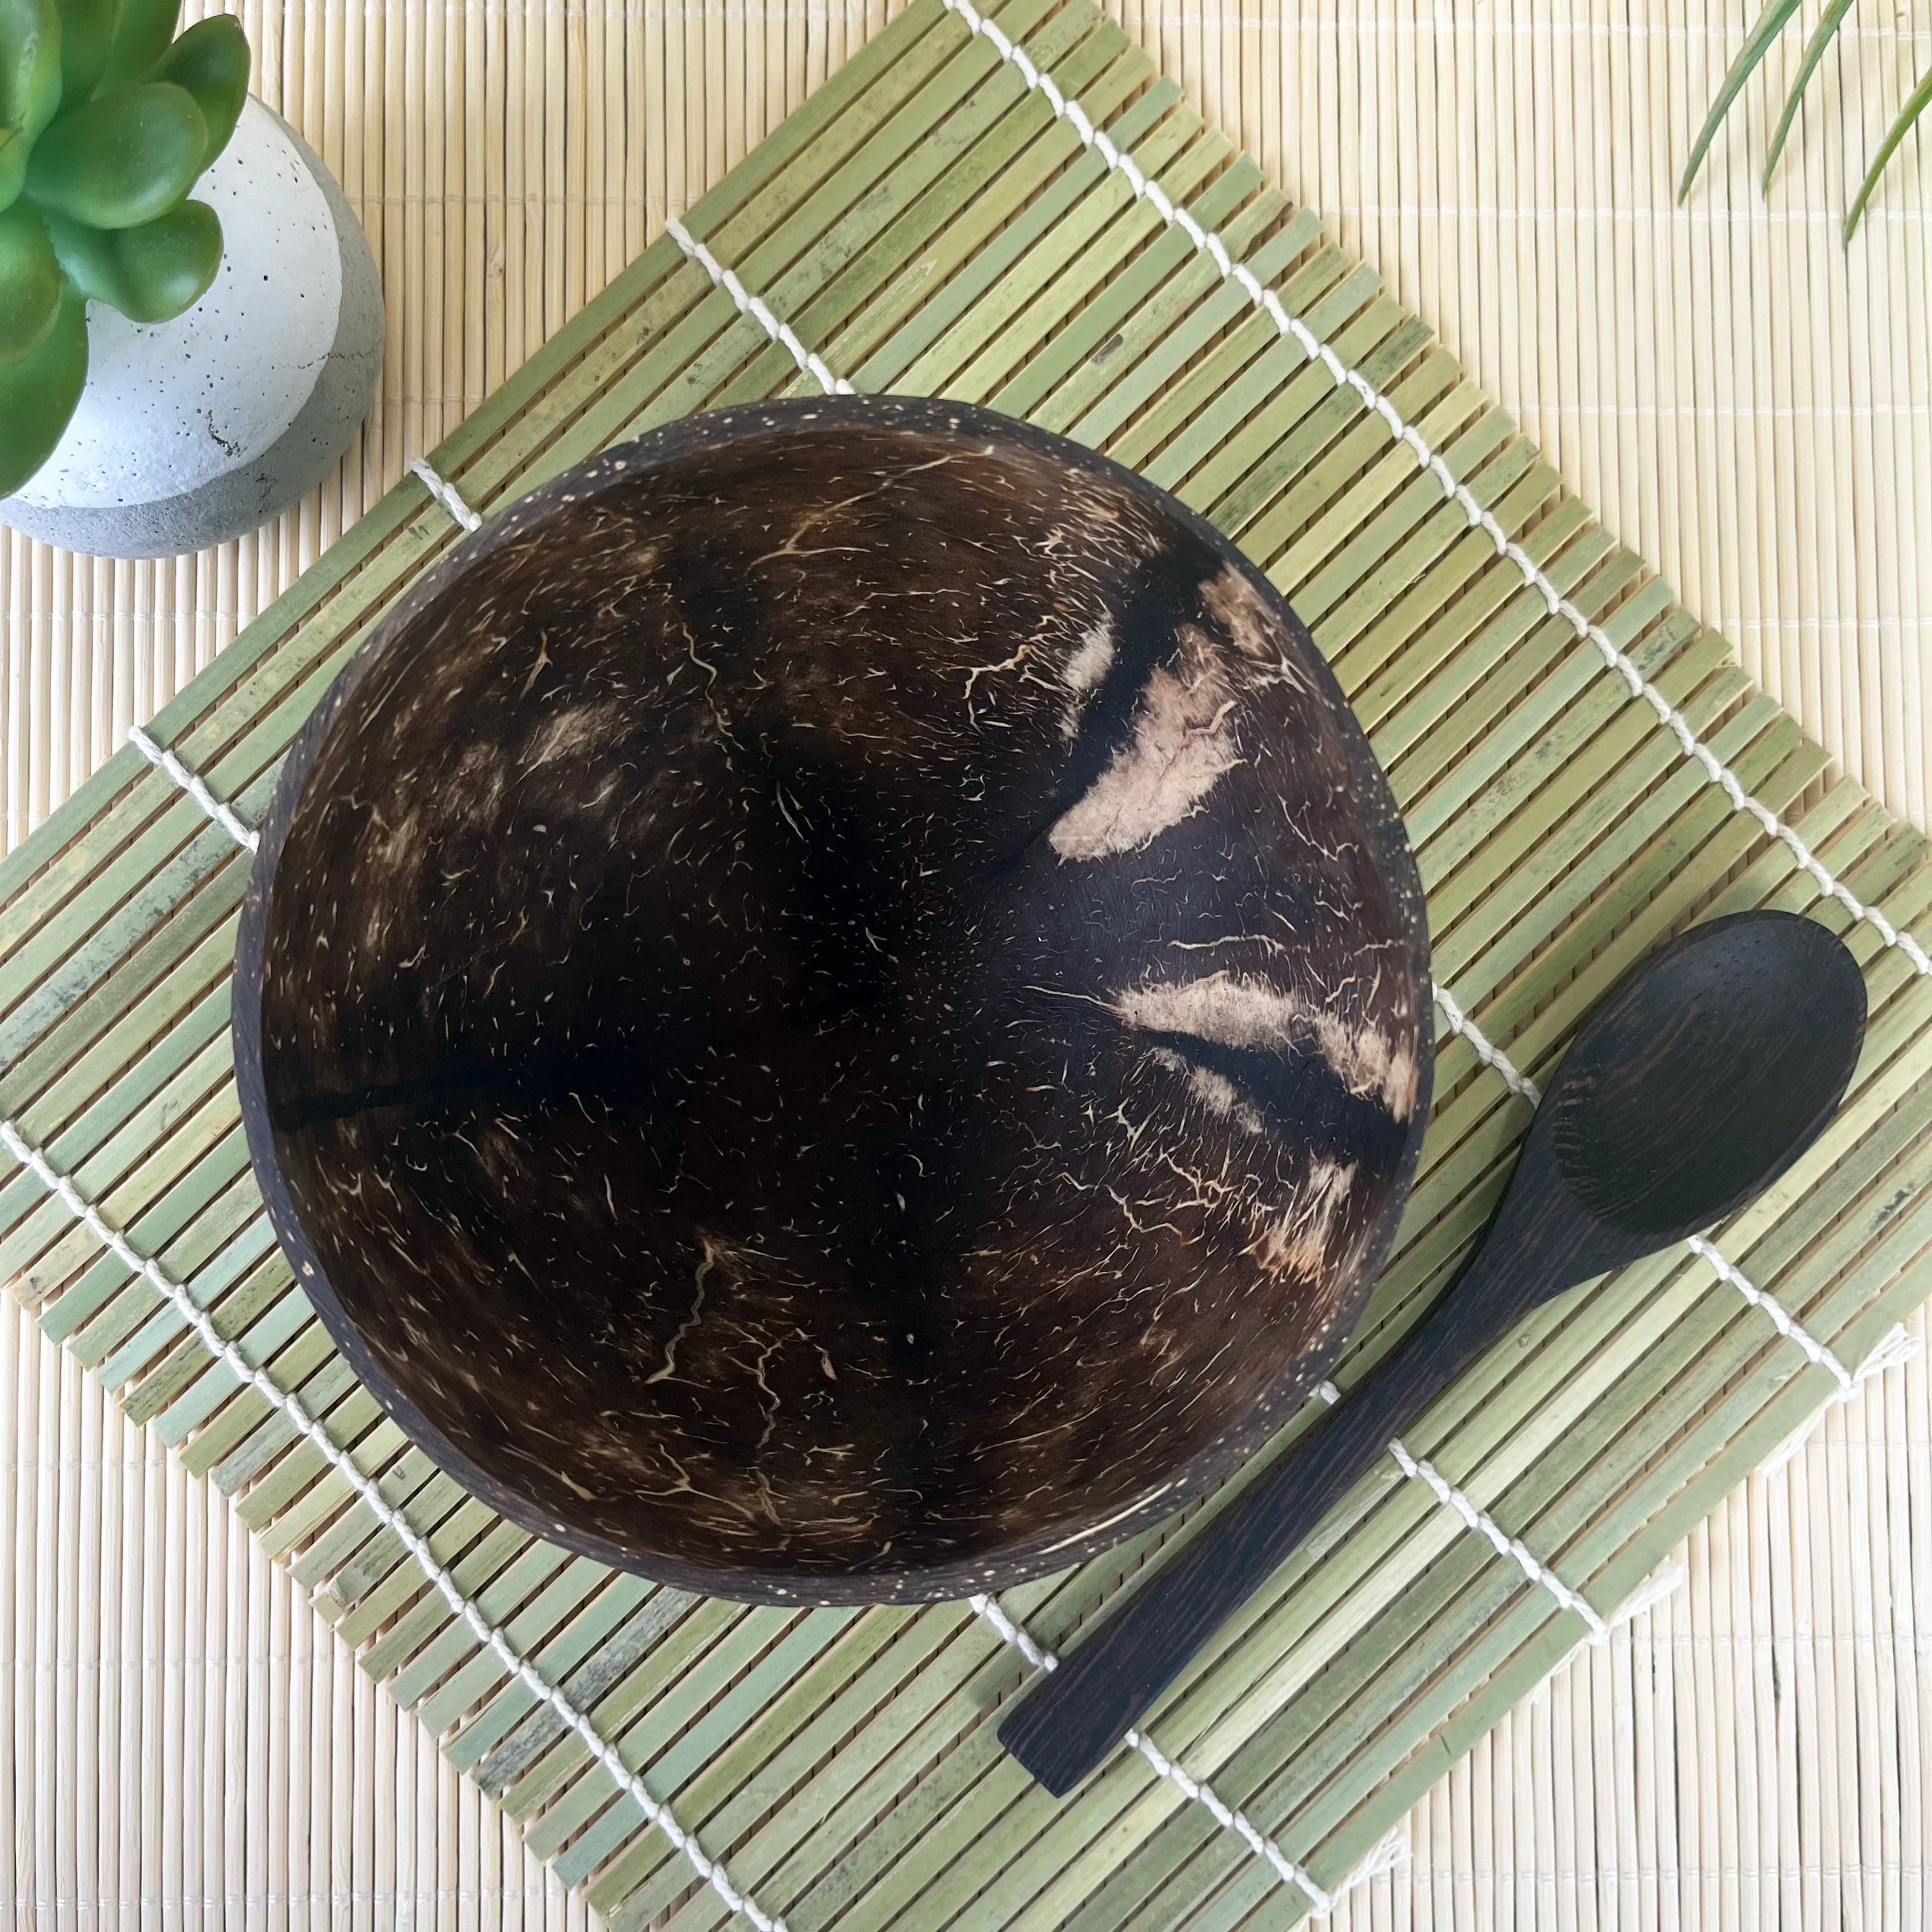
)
(1047, 1551)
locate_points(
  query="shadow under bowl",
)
(834, 1008)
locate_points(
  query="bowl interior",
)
(834, 1009)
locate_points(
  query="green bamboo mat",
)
(941, 217)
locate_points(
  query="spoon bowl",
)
(1695, 1084)
(1766, 990)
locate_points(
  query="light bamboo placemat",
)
(1242, 78)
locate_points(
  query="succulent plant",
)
(106, 120)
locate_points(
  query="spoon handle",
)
(1073, 1718)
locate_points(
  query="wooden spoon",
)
(1696, 1084)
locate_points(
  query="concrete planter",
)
(195, 430)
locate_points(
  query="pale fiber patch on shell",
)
(1215, 1091)
(1181, 746)
(1233, 1010)
(577, 730)
(1297, 1244)
(1252, 625)
(1083, 672)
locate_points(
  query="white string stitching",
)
(1896, 1349)
(1386, 1855)
(1493, 1057)
(190, 782)
(62, 1187)
(446, 494)
(1780, 1318)
(1669, 1577)
(1403, 432)
(1479, 1521)
(782, 333)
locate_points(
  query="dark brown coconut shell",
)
(835, 1007)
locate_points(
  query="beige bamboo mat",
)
(1748, 404)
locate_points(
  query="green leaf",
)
(121, 159)
(87, 32)
(150, 274)
(1770, 24)
(16, 146)
(1814, 51)
(30, 283)
(141, 37)
(211, 61)
(38, 394)
(30, 64)
(1915, 106)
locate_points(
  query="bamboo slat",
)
(926, 221)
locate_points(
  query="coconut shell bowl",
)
(834, 1008)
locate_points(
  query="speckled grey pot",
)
(193, 431)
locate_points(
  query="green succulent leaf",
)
(150, 274)
(38, 394)
(1757, 43)
(211, 61)
(87, 33)
(30, 283)
(121, 159)
(30, 65)
(1814, 51)
(1915, 106)
(141, 36)
(16, 146)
